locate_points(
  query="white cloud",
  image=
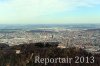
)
(31, 9)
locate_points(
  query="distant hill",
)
(35, 26)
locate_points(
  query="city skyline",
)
(49, 12)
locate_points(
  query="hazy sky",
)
(49, 11)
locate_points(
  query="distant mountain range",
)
(36, 26)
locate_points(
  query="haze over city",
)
(64, 32)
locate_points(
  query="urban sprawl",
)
(87, 39)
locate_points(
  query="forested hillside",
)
(24, 55)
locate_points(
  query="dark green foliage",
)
(3, 46)
(29, 51)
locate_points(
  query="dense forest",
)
(9, 55)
